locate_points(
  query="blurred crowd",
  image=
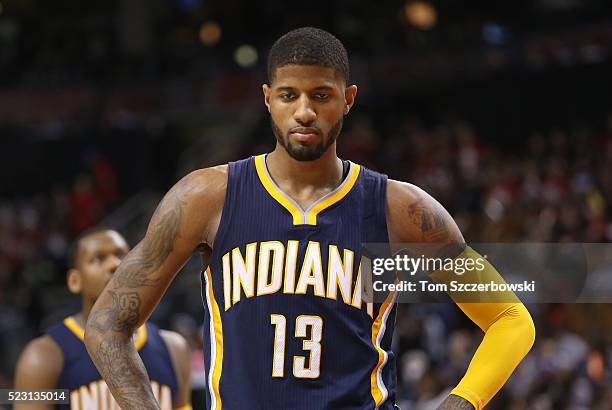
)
(35, 233)
(543, 187)
(547, 186)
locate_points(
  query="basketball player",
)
(281, 234)
(59, 360)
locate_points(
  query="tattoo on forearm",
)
(148, 256)
(123, 375)
(453, 402)
(115, 355)
(113, 352)
(122, 316)
(129, 306)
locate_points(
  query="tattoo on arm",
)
(115, 356)
(453, 402)
(121, 374)
(122, 316)
(431, 220)
(149, 255)
(112, 323)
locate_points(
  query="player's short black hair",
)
(308, 46)
(73, 249)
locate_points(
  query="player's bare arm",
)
(185, 219)
(414, 216)
(38, 368)
(180, 352)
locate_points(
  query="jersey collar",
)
(305, 216)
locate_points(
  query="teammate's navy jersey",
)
(87, 388)
(286, 327)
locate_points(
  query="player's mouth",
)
(305, 134)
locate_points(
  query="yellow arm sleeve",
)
(509, 335)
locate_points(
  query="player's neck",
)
(80, 319)
(294, 176)
(83, 315)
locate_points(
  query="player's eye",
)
(287, 96)
(321, 96)
(98, 259)
(120, 255)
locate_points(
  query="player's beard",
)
(307, 153)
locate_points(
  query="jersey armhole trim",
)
(226, 213)
(383, 212)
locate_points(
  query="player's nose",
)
(304, 113)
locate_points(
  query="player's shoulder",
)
(174, 340)
(205, 185)
(216, 172)
(415, 216)
(42, 348)
(41, 357)
(404, 193)
(206, 179)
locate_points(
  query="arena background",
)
(501, 110)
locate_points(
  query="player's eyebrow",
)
(286, 88)
(292, 89)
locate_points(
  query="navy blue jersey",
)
(285, 324)
(87, 388)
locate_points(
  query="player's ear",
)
(74, 280)
(266, 92)
(349, 97)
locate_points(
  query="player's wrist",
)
(454, 402)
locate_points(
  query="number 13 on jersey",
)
(312, 345)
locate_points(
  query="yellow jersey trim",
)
(78, 331)
(216, 344)
(141, 339)
(378, 389)
(75, 328)
(301, 216)
(334, 197)
(276, 193)
(185, 407)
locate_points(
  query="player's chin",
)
(303, 152)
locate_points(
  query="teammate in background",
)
(59, 360)
(280, 235)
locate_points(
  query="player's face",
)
(307, 104)
(98, 258)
